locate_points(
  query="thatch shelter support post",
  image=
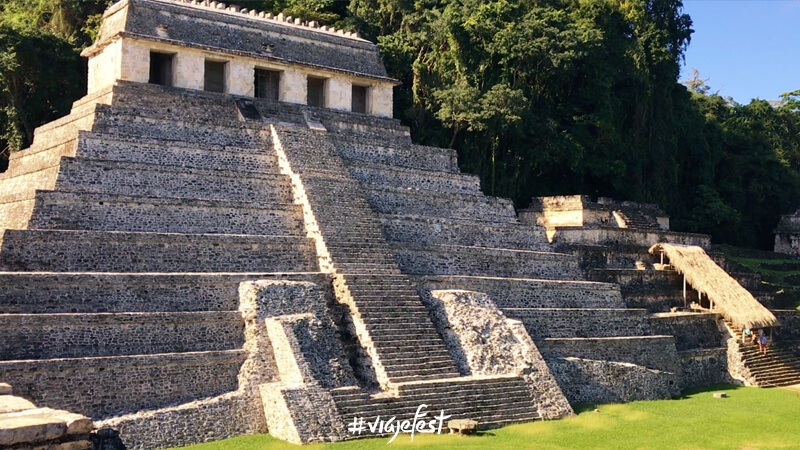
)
(684, 290)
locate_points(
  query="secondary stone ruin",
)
(230, 235)
(787, 235)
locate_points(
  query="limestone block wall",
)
(527, 293)
(482, 341)
(560, 211)
(87, 251)
(109, 212)
(301, 338)
(653, 352)
(99, 293)
(456, 260)
(790, 325)
(101, 387)
(394, 176)
(421, 157)
(173, 153)
(691, 330)
(48, 336)
(579, 322)
(488, 349)
(627, 236)
(704, 367)
(585, 380)
(309, 359)
(297, 312)
(432, 203)
(787, 243)
(125, 178)
(228, 415)
(442, 231)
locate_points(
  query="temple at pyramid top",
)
(215, 47)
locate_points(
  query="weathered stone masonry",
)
(185, 266)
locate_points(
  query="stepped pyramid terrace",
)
(230, 234)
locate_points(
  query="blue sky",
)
(745, 48)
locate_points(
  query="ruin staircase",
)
(417, 365)
(380, 296)
(779, 367)
(492, 402)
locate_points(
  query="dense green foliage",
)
(538, 98)
(750, 418)
(41, 71)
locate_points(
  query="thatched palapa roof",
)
(734, 302)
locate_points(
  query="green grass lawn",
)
(750, 418)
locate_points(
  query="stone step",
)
(410, 321)
(421, 377)
(784, 381)
(113, 212)
(357, 270)
(406, 351)
(385, 295)
(467, 399)
(98, 251)
(153, 124)
(461, 382)
(391, 307)
(476, 404)
(457, 386)
(486, 404)
(117, 147)
(48, 292)
(406, 156)
(422, 358)
(351, 249)
(653, 352)
(579, 322)
(398, 177)
(176, 103)
(432, 390)
(427, 231)
(403, 367)
(784, 363)
(367, 263)
(773, 375)
(531, 293)
(107, 386)
(434, 204)
(363, 259)
(398, 317)
(114, 177)
(49, 336)
(479, 261)
(399, 345)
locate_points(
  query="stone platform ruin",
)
(230, 235)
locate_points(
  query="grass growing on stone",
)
(750, 418)
(779, 273)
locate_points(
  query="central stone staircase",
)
(382, 300)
